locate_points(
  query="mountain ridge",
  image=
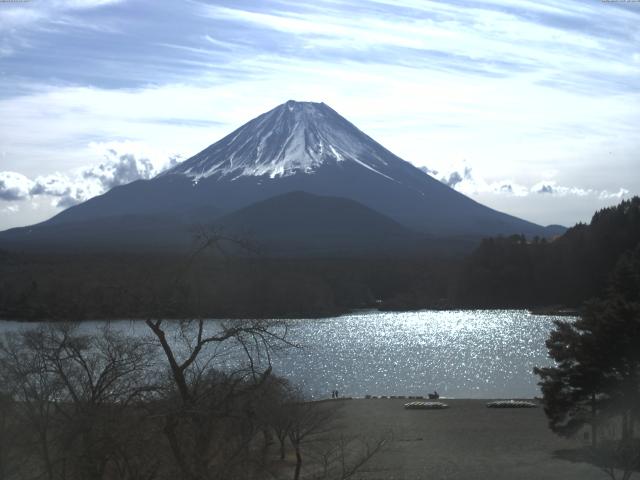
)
(297, 146)
(304, 223)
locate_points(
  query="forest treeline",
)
(516, 272)
(503, 272)
(100, 287)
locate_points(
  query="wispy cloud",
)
(543, 201)
(465, 181)
(514, 86)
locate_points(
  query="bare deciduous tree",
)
(195, 400)
(76, 393)
(343, 457)
(207, 397)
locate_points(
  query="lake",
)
(461, 354)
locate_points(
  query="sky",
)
(530, 107)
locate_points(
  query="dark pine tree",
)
(597, 372)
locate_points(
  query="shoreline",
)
(538, 311)
(425, 397)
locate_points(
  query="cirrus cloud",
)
(516, 86)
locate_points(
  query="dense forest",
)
(502, 272)
(128, 286)
(515, 272)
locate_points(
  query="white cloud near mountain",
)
(552, 188)
(516, 87)
(123, 162)
(14, 186)
(466, 181)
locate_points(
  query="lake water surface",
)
(462, 354)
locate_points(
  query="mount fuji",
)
(293, 172)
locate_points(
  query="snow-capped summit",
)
(299, 173)
(295, 137)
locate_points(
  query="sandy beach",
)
(467, 441)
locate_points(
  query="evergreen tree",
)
(597, 372)
(572, 390)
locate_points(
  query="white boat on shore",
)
(425, 406)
